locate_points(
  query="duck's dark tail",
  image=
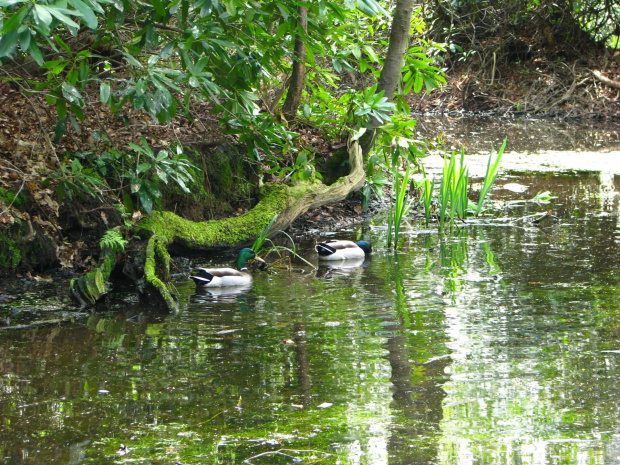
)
(202, 277)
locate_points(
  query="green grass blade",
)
(490, 176)
(260, 240)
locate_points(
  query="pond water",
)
(498, 343)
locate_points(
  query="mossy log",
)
(288, 202)
(165, 229)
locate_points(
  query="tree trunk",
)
(399, 43)
(391, 72)
(293, 97)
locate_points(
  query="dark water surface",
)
(497, 344)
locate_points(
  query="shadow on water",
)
(498, 343)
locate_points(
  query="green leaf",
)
(135, 147)
(131, 60)
(282, 30)
(337, 65)
(76, 126)
(368, 7)
(153, 189)
(42, 14)
(24, 39)
(15, 20)
(83, 73)
(77, 110)
(231, 7)
(35, 53)
(357, 134)
(159, 7)
(60, 130)
(143, 168)
(104, 93)
(59, 14)
(166, 51)
(146, 199)
(127, 202)
(419, 82)
(61, 109)
(95, 5)
(8, 42)
(88, 15)
(371, 53)
(301, 159)
(71, 93)
(60, 191)
(4, 3)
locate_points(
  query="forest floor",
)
(28, 154)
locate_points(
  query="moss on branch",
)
(91, 287)
(218, 233)
(157, 261)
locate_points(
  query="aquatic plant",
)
(489, 177)
(398, 204)
(427, 197)
(399, 207)
(262, 236)
(542, 197)
(284, 253)
(452, 201)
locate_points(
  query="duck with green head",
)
(226, 277)
(335, 249)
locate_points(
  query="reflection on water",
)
(219, 294)
(497, 344)
(480, 135)
(332, 268)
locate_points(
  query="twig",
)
(281, 452)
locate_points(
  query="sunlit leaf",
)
(104, 93)
(71, 93)
(61, 15)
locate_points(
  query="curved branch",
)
(605, 80)
(287, 202)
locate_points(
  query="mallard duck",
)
(343, 250)
(226, 277)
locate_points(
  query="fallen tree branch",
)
(287, 202)
(605, 80)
